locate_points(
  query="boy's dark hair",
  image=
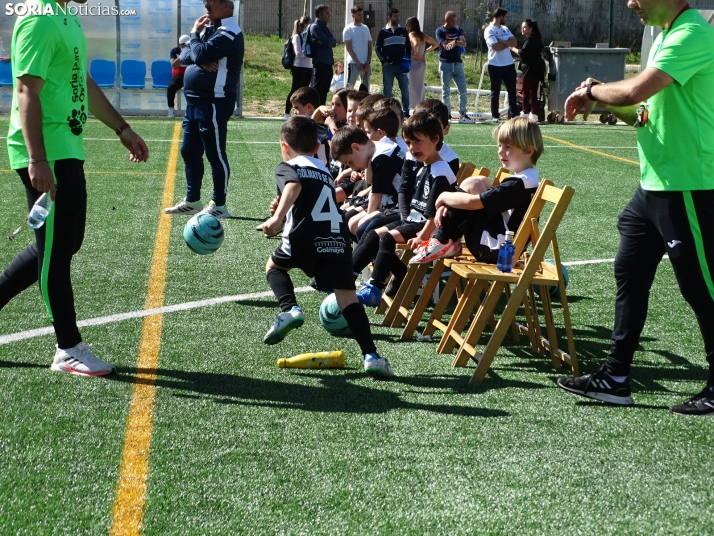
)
(392, 11)
(356, 9)
(304, 96)
(344, 138)
(319, 9)
(425, 124)
(357, 96)
(498, 13)
(390, 103)
(436, 108)
(366, 106)
(384, 119)
(300, 133)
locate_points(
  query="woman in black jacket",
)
(532, 66)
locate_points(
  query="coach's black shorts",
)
(327, 273)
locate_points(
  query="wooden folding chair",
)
(532, 271)
(397, 308)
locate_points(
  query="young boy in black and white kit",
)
(315, 239)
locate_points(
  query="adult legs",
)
(213, 127)
(301, 78)
(351, 75)
(529, 95)
(446, 73)
(403, 81)
(509, 79)
(321, 77)
(388, 74)
(460, 79)
(175, 84)
(192, 153)
(496, 75)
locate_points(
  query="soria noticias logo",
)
(22, 9)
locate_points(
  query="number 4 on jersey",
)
(331, 214)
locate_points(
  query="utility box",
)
(570, 66)
(369, 17)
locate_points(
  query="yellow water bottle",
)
(323, 360)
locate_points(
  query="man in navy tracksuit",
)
(322, 59)
(214, 57)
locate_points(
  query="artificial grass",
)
(240, 446)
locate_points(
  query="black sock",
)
(365, 252)
(384, 260)
(359, 326)
(282, 286)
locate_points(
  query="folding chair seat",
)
(5, 74)
(532, 270)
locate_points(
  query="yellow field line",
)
(128, 511)
(593, 151)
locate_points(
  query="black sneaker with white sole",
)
(599, 385)
(702, 404)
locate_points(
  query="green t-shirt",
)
(51, 47)
(676, 145)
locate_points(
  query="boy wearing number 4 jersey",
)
(315, 239)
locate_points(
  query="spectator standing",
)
(177, 71)
(322, 42)
(302, 66)
(214, 57)
(419, 41)
(392, 44)
(532, 67)
(670, 211)
(500, 62)
(52, 95)
(358, 50)
(451, 39)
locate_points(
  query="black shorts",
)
(327, 273)
(408, 230)
(476, 223)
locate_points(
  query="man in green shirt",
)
(671, 209)
(52, 96)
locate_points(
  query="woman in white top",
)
(419, 41)
(302, 66)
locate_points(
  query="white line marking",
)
(29, 334)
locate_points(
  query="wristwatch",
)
(121, 129)
(589, 89)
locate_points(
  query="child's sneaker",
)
(702, 404)
(599, 386)
(184, 207)
(377, 366)
(216, 211)
(369, 295)
(436, 250)
(284, 323)
(81, 361)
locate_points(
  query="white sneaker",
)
(81, 361)
(184, 207)
(286, 117)
(533, 117)
(284, 324)
(216, 211)
(466, 119)
(171, 113)
(494, 120)
(375, 365)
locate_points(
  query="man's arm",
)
(103, 110)
(461, 41)
(378, 46)
(28, 103)
(322, 37)
(350, 51)
(621, 98)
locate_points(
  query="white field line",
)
(102, 320)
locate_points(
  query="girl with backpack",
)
(302, 66)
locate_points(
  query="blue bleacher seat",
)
(133, 74)
(5, 74)
(161, 74)
(103, 72)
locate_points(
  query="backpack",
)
(288, 58)
(308, 47)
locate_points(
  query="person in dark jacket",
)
(392, 44)
(532, 67)
(323, 42)
(214, 57)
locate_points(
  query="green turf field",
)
(238, 446)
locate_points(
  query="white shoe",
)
(184, 207)
(81, 361)
(216, 211)
(284, 324)
(286, 117)
(466, 119)
(494, 120)
(171, 113)
(377, 366)
(533, 117)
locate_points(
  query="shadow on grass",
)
(337, 394)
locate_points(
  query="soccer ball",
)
(331, 318)
(203, 234)
(554, 290)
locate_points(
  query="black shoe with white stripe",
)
(600, 386)
(702, 404)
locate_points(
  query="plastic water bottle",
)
(314, 360)
(37, 216)
(505, 254)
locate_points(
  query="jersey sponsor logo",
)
(673, 243)
(330, 244)
(387, 201)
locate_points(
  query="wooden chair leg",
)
(465, 306)
(423, 301)
(397, 314)
(467, 349)
(434, 321)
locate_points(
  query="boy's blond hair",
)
(521, 133)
